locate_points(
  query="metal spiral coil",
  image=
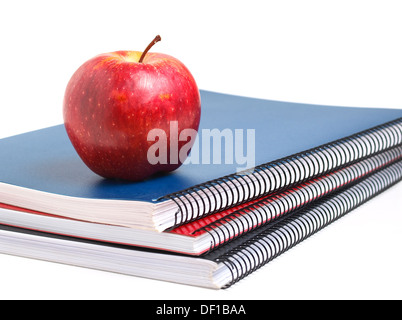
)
(269, 208)
(228, 191)
(287, 232)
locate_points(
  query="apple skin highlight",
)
(112, 102)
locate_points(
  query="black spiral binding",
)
(228, 191)
(270, 208)
(285, 233)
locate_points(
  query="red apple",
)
(113, 101)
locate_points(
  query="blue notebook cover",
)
(45, 160)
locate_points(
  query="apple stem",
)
(157, 39)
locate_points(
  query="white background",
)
(345, 53)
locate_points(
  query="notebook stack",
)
(208, 223)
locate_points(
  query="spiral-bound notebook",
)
(220, 268)
(291, 143)
(212, 231)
